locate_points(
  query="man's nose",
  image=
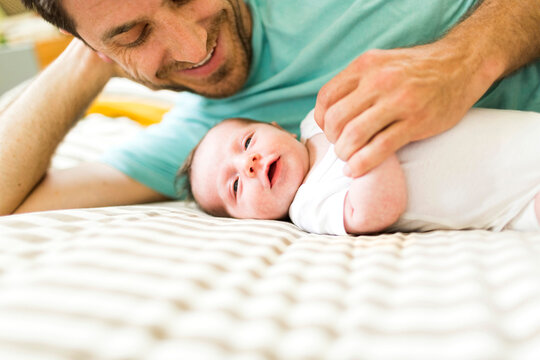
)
(186, 41)
(252, 165)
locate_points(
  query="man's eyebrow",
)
(109, 34)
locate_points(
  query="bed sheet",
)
(166, 281)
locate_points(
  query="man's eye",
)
(142, 37)
(235, 186)
(248, 141)
(180, 2)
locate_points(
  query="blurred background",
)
(27, 44)
(12, 7)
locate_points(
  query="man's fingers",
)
(345, 110)
(377, 150)
(358, 132)
(337, 88)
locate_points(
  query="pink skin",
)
(197, 45)
(266, 163)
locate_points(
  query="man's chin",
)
(225, 82)
(218, 91)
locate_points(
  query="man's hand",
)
(387, 98)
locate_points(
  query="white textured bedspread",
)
(166, 281)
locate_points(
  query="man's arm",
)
(34, 124)
(387, 98)
(376, 200)
(87, 185)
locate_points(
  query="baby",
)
(464, 178)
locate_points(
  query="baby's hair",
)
(184, 173)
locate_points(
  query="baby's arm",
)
(376, 200)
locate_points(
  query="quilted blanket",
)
(165, 281)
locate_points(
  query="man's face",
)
(203, 46)
(248, 170)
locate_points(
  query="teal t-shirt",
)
(298, 46)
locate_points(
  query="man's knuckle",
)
(334, 115)
(324, 95)
(355, 134)
(352, 127)
(372, 54)
(366, 60)
(386, 144)
(409, 102)
(387, 79)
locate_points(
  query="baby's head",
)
(246, 169)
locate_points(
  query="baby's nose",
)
(253, 165)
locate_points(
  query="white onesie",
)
(481, 174)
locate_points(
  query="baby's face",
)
(248, 170)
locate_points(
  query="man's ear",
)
(101, 55)
(104, 57)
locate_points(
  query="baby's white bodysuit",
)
(480, 174)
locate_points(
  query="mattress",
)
(167, 281)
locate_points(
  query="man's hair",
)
(53, 12)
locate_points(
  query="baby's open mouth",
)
(272, 172)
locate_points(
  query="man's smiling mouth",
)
(204, 61)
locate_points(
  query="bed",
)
(166, 281)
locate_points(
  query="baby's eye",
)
(235, 186)
(248, 141)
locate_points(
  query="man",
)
(264, 60)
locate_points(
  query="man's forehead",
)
(96, 18)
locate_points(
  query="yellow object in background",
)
(145, 112)
(47, 50)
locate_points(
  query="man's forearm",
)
(34, 124)
(501, 35)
